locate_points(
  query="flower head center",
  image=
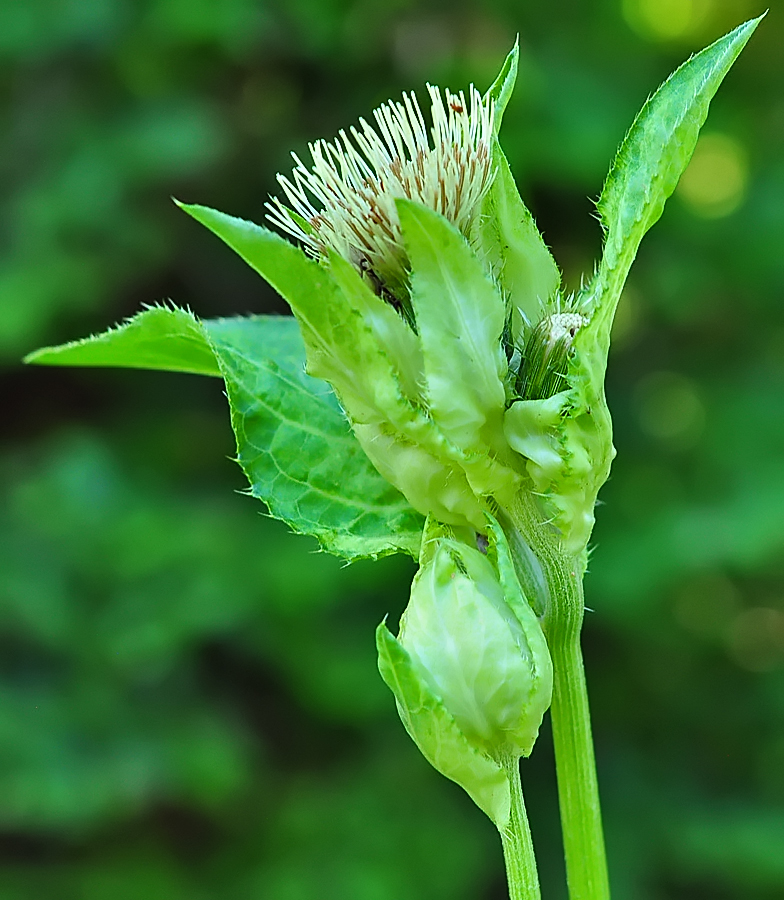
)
(346, 201)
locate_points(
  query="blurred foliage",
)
(190, 707)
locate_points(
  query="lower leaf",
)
(293, 440)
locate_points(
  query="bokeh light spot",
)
(670, 409)
(714, 183)
(666, 20)
(755, 639)
(706, 605)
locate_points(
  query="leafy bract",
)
(392, 333)
(504, 234)
(476, 642)
(509, 244)
(293, 440)
(433, 482)
(567, 439)
(501, 89)
(500, 555)
(569, 450)
(460, 317)
(340, 347)
(435, 732)
(343, 346)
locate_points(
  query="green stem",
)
(521, 871)
(578, 790)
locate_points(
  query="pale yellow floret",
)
(346, 200)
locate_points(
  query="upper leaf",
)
(341, 347)
(567, 439)
(652, 158)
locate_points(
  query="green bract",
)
(470, 669)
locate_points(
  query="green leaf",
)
(652, 158)
(159, 338)
(460, 317)
(297, 449)
(293, 440)
(570, 455)
(501, 89)
(509, 244)
(437, 735)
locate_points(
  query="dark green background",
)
(189, 705)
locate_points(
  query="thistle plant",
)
(438, 392)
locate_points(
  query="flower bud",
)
(473, 651)
(546, 355)
(470, 670)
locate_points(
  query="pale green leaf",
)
(392, 333)
(437, 735)
(568, 452)
(432, 479)
(345, 350)
(159, 338)
(340, 347)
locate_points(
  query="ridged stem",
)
(521, 873)
(557, 577)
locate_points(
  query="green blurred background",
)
(189, 704)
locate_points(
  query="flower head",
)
(346, 201)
